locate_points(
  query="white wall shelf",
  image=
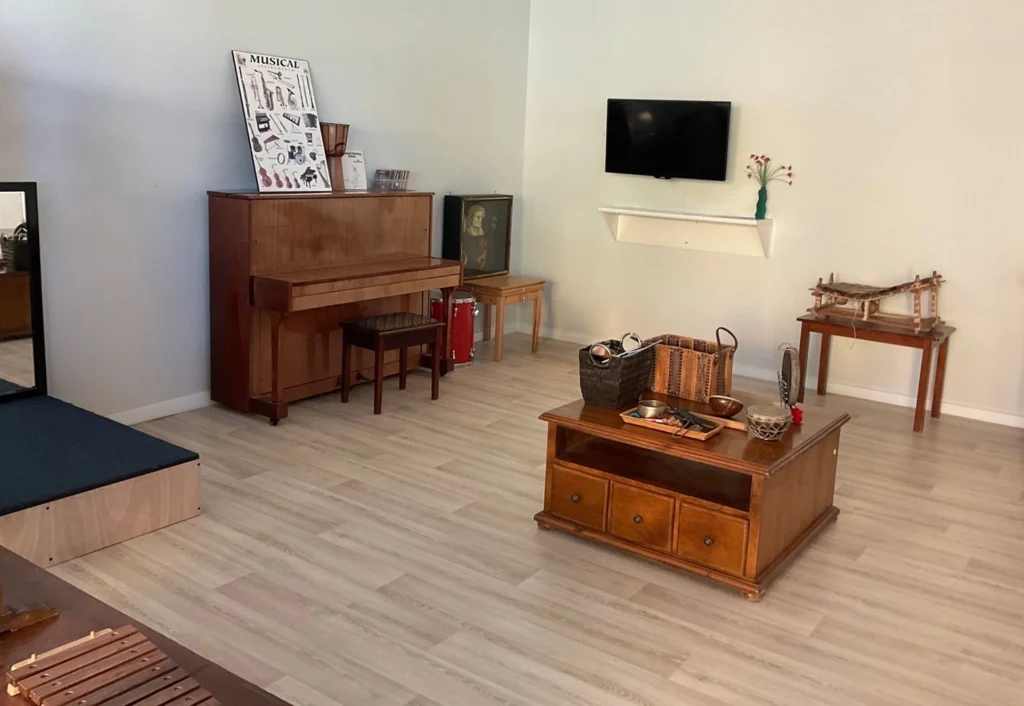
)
(690, 231)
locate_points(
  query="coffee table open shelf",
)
(732, 509)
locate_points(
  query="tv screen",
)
(668, 139)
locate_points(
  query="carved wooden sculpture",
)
(831, 299)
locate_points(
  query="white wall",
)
(127, 112)
(902, 121)
(12, 210)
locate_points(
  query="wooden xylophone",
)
(106, 668)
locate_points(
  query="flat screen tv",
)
(668, 139)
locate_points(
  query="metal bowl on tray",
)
(651, 409)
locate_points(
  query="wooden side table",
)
(501, 291)
(880, 333)
(15, 304)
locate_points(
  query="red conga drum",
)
(463, 324)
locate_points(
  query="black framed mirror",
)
(22, 345)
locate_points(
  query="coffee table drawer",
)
(641, 516)
(712, 539)
(579, 497)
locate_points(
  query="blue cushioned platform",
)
(6, 386)
(51, 450)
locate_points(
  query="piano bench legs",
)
(382, 341)
(346, 370)
(435, 367)
(378, 377)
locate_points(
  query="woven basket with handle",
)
(691, 368)
(620, 382)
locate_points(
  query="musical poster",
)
(282, 123)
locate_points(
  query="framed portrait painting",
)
(478, 231)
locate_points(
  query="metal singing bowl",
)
(651, 409)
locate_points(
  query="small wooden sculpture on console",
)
(831, 298)
(16, 619)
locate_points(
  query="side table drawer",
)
(518, 296)
(579, 497)
(641, 516)
(712, 539)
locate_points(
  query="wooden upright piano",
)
(285, 270)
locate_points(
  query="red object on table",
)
(798, 415)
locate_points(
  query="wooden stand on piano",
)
(285, 270)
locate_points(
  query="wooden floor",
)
(344, 558)
(16, 363)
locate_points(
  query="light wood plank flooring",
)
(344, 558)
(16, 363)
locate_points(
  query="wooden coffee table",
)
(733, 509)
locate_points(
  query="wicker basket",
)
(620, 383)
(14, 254)
(6, 253)
(691, 368)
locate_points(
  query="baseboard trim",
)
(202, 399)
(863, 393)
(163, 409)
(894, 398)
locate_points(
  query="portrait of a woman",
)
(474, 239)
(477, 231)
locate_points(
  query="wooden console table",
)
(733, 509)
(15, 304)
(500, 292)
(80, 613)
(879, 333)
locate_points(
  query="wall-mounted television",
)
(668, 139)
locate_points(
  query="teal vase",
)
(762, 203)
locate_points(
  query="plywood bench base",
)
(64, 529)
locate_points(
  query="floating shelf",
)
(690, 231)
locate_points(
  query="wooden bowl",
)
(724, 406)
(651, 409)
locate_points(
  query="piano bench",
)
(389, 332)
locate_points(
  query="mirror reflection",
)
(17, 370)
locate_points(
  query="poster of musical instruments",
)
(282, 123)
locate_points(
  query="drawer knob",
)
(575, 497)
(708, 541)
(637, 519)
